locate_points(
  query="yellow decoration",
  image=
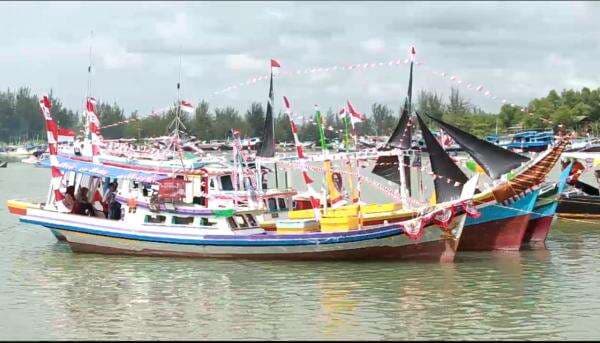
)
(432, 199)
(339, 224)
(333, 194)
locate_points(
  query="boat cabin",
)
(142, 199)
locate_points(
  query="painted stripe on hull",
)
(17, 210)
(230, 240)
(544, 211)
(537, 230)
(492, 213)
(503, 234)
(579, 216)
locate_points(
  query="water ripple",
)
(534, 294)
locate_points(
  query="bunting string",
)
(455, 79)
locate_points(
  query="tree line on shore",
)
(20, 118)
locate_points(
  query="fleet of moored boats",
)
(174, 198)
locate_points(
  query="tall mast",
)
(88, 90)
(89, 85)
(178, 99)
(176, 123)
(403, 165)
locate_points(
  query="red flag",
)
(275, 64)
(91, 104)
(355, 116)
(46, 101)
(65, 132)
(187, 107)
(287, 104)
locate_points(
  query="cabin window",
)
(282, 205)
(155, 219)
(207, 222)
(272, 204)
(211, 184)
(226, 183)
(241, 221)
(251, 220)
(232, 223)
(183, 220)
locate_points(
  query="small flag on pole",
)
(355, 116)
(275, 64)
(186, 106)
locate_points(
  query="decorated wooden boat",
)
(167, 230)
(234, 233)
(510, 201)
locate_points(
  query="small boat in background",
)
(531, 141)
(581, 200)
(3, 164)
(502, 141)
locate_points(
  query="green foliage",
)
(110, 114)
(202, 124)
(20, 117)
(255, 119)
(383, 121)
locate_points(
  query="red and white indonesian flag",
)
(90, 104)
(275, 67)
(355, 116)
(46, 105)
(187, 106)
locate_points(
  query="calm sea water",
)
(48, 292)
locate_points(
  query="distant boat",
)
(531, 141)
(581, 201)
(3, 164)
(16, 151)
(502, 141)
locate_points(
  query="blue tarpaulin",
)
(68, 164)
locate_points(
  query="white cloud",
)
(120, 60)
(173, 29)
(241, 62)
(517, 51)
(113, 55)
(373, 45)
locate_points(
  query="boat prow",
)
(19, 207)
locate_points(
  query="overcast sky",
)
(516, 51)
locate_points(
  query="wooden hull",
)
(579, 207)
(387, 242)
(538, 230)
(503, 234)
(540, 224)
(500, 227)
(434, 250)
